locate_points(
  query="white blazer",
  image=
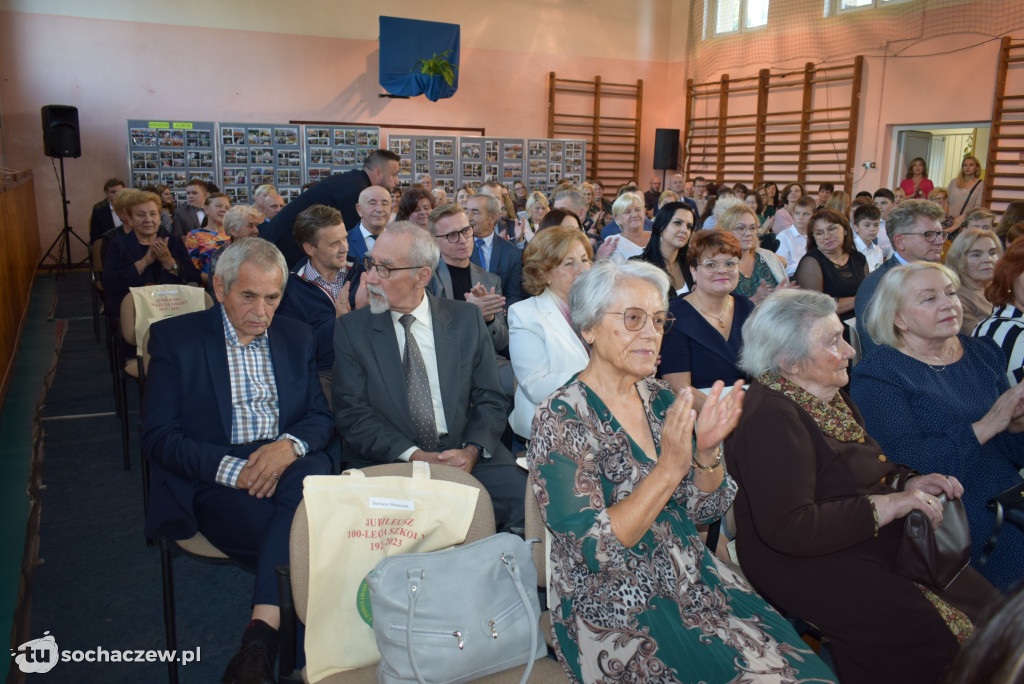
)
(545, 354)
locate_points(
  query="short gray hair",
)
(254, 250)
(880, 320)
(423, 251)
(575, 198)
(775, 336)
(625, 202)
(264, 190)
(902, 218)
(492, 202)
(594, 290)
(237, 216)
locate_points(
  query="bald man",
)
(374, 209)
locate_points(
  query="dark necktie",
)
(420, 403)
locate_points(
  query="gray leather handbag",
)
(456, 615)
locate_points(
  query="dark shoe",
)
(253, 664)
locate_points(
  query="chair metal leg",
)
(125, 438)
(286, 633)
(170, 625)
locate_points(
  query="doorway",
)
(943, 149)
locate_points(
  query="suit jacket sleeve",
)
(498, 328)
(488, 408)
(164, 437)
(515, 281)
(365, 429)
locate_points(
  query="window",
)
(731, 16)
(834, 7)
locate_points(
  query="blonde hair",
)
(962, 179)
(956, 257)
(888, 298)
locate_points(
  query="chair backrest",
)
(481, 527)
(128, 320)
(535, 529)
(208, 301)
(143, 305)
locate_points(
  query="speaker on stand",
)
(666, 150)
(60, 140)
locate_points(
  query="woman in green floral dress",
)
(621, 481)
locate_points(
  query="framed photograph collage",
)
(540, 162)
(253, 154)
(337, 149)
(170, 152)
(436, 155)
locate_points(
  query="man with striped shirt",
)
(234, 419)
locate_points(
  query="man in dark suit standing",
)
(104, 217)
(492, 252)
(190, 217)
(234, 419)
(415, 377)
(341, 192)
(915, 228)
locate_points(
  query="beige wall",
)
(115, 61)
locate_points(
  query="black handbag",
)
(1008, 506)
(935, 557)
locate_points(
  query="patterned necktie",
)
(420, 403)
(483, 259)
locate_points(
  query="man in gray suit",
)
(415, 376)
(190, 217)
(915, 228)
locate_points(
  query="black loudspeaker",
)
(60, 131)
(666, 148)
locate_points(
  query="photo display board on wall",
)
(337, 149)
(170, 153)
(436, 155)
(540, 162)
(252, 154)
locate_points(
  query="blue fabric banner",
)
(403, 42)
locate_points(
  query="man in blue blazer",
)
(492, 252)
(374, 209)
(910, 225)
(233, 420)
(439, 400)
(340, 191)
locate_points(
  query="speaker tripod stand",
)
(60, 249)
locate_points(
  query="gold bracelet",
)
(708, 469)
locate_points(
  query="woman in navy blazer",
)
(704, 343)
(545, 349)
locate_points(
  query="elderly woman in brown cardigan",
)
(820, 509)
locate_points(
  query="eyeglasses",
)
(741, 229)
(712, 265)
(635, 319)
(382, 270)
(453, 236)
(930, 235)
(831, 230)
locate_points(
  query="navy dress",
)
(922, 417)
(695, 346)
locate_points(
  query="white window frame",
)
(711, 20)
(833, 9)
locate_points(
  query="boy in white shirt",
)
(865, 229)
(793, 240)
(885, 200)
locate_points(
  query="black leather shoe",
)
(253, 664)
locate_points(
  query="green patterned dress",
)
(665, 610)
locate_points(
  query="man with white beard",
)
(416, 379)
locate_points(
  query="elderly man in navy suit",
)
(234, 419)
(374, 209)
(492, 252)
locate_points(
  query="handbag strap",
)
(973, 187)
(993, 539)
(416, 586)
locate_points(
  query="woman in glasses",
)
(832, 264)
(704, 344)
(624, 470)
(760, 270)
